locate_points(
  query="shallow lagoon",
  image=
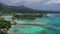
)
(53, 22)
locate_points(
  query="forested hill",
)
(18, 9)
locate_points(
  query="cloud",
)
(52, 2)
(12, 2)
(27, 2)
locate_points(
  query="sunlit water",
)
(53, 25)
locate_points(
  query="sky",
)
(36, 4)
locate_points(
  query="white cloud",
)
(25, 1)
(53, 1)
(32, 1)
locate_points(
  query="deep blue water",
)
(52, 27)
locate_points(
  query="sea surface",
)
(52, 25)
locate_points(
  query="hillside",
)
(19, 9)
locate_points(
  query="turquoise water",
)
(53, 25)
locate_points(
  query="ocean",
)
(52, 25)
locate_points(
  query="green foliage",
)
(5, 24)
(1, 32)
(25, 16)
